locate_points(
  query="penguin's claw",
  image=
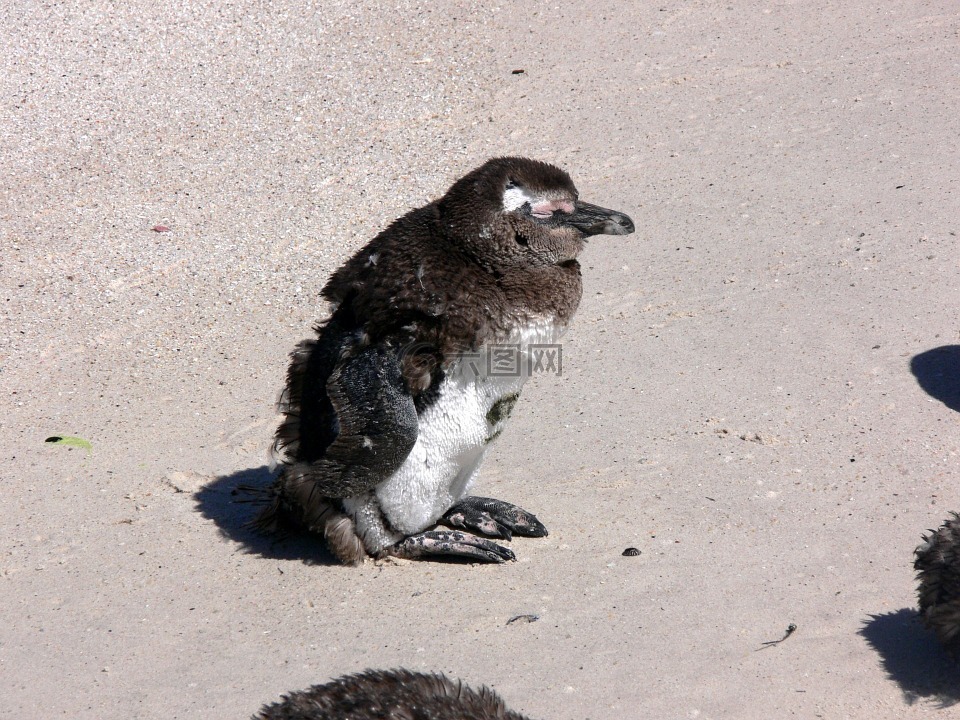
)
(494, 518)
(450, 543)
(480, 522)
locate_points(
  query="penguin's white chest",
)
(474, 401)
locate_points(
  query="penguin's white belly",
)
(474, 400)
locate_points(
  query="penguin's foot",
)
(450, 543)
(493, 518)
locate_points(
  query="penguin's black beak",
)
(595, 220)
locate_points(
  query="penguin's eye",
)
(526, 209)
(551, 209)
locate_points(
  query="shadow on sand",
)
(233, 510)
(913, 658)
(938, 372)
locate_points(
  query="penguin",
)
(377, 694)
(938, 573)
(434, 327)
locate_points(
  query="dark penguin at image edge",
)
(938, 573)
(377, 694)
(390, 410)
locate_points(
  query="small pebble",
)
(630, 552)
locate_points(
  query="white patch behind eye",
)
(514, 198)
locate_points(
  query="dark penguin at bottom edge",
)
(390, 694)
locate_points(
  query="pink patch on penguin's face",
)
(546, 208)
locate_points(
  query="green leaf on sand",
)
(70, 440)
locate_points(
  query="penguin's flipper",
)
(494, 518)
(376, 423)
(449, 543)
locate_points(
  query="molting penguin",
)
(390, 410)
(938, 572)
(377, 694)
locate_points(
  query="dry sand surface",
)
(760, 391)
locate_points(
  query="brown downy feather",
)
(394, 694)
(311, 363)
(286, 442)
(938, 573)
(300, 506)
(293, 499)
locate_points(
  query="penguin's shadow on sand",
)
(232, 509)
(938, 373)
(913, 658)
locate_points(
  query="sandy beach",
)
(759, 392)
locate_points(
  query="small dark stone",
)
(517, 72)
(53, 438)
(631, 552)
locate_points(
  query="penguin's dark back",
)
(416, 275)
(412, 275)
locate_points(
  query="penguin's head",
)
(517, 212)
